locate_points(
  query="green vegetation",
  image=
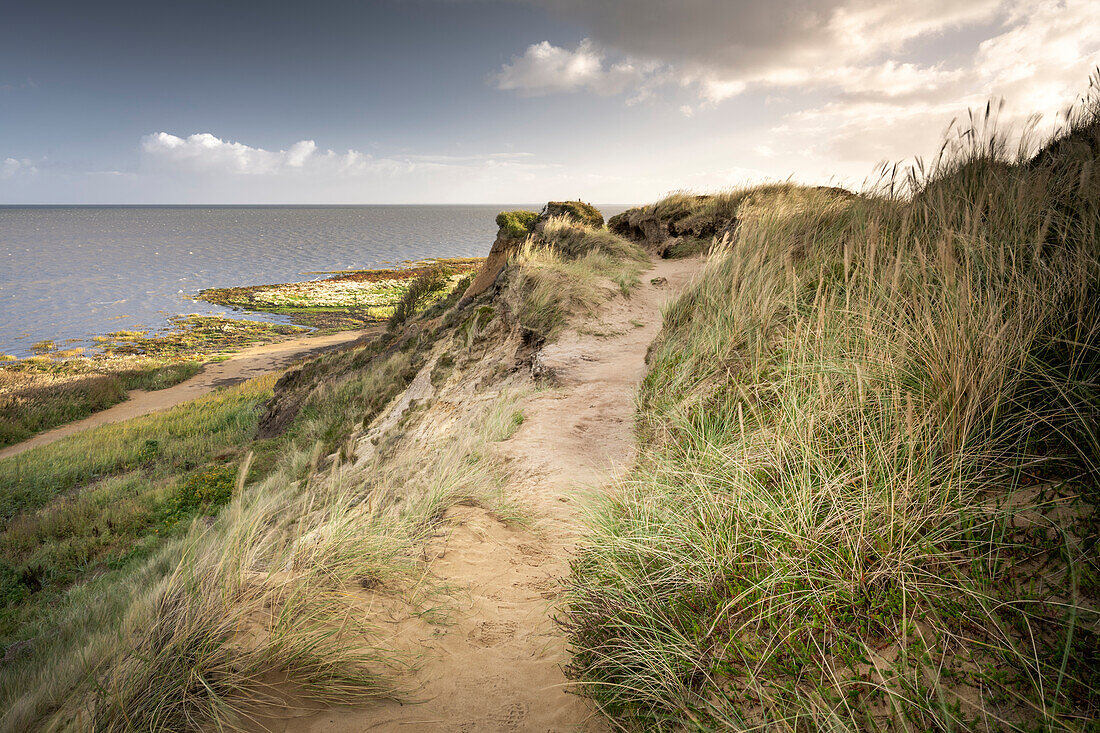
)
(183, 436)
(57, 387)
(38, 394)
(100, 504)
(347, 300)
(577, 211)
(155, 574)
(867, 497)
(195, 337)
(516, 224)
(685, 224)
(419, 293)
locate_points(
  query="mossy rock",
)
(516, 224)
(577, 210)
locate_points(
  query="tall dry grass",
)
(868, 496)
(564, 271)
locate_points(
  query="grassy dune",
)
(180, 572)
(867, 496)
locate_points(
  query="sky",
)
(471, 101)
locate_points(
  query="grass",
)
(516, 224)
(566, 271)
(107, 498)
(187, 575)
(684, 224)
(169, 442)
(867, 495)
(194, 337)
(419, 293)
(279, 586)
(56, 387)
(36, 395)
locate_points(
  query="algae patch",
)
(347, 300)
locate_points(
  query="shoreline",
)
(58, 387)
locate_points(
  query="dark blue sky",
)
(465, 101)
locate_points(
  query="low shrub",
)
(516, 224)
(203, 492)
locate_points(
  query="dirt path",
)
(499, 666)
(245, 364)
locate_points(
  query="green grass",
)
(516, 224)
(867, 495)
(429, 284)
(106, 498)
(37, 395)
(183, 438)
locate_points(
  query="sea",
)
(69, 273)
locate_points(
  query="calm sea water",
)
(74, 272)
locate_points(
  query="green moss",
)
(516, 224)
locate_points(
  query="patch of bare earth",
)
(498, 665)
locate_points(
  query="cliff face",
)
(678, 225)
(683, 224)
(297, 388)
(514, 229)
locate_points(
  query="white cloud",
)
(860, 80)
(11, 167)
(545, 69)
(725, 42)
(890, 49)
(207, 153)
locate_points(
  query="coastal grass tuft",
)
(420, 291)
(867, 498)
(282, 593)
(184, 437)
(568, 270)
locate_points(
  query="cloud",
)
(723, 43)
(11, 167)
(860, 81)
(206, 153)
(545, 69)
(854, 49)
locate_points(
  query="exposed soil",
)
(498, 667)
(245, 364)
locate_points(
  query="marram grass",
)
(867, 496)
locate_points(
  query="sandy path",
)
(245, 364)
(498, 667)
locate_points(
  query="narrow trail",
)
(252, 362)
(499, 666)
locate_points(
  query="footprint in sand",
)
(491, 633)
(548, 588)
(532, 555)
(507, 718)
